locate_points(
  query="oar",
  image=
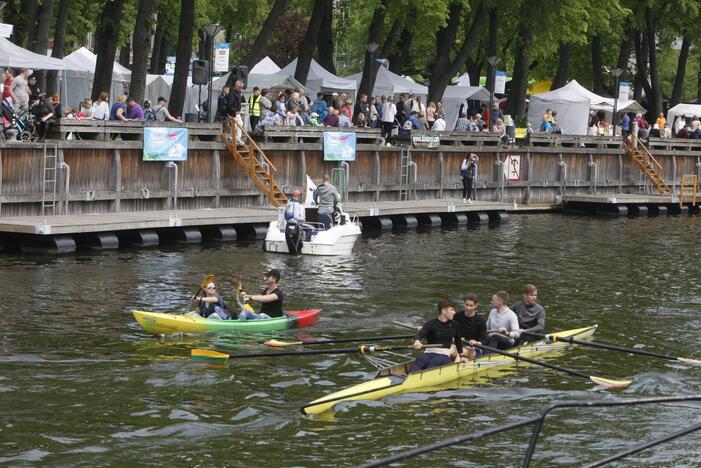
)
(554, 338)
(205, 354)
(604, 382)
(279, 343)
(407, 325)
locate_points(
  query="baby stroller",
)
(15, 126)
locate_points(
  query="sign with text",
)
(426, 140)
(339, 146)
(500, 82)
(6, 30)
(623, 91)
(165, 144)
(512, 167)
(221, 57)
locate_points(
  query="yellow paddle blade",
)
(693, 362)
(207, 354)
(205, 280)
(610, 383)
(278, 343)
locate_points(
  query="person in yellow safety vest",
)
(254, 107)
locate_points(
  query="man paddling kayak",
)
(531, 315)
(442, 330)
(502, 323)
(473, 328)
(211, 305)
(270, 298)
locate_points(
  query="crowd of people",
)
(465, 335)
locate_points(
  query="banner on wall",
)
(221, 57)
(165, 144)
(339, 146)
(426, 140)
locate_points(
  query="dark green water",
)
(82, 385)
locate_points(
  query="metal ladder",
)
(49, 175)
(404, 174)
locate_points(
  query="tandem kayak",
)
(397, 379)
(167, 324)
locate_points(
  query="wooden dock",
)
(622, 204)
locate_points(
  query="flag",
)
(309, 193)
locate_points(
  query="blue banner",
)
(339, 146)
(165, 144)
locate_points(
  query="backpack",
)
(150, 115)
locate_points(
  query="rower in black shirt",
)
(473, 328)
(443, 331)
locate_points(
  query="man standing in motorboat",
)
(270, 298)
(442, 330)
(531, 315)
(326, 198)
(211, 305)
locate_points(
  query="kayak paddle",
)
(604, 382)
(207, 279)
(554, 338)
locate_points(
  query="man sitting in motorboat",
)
(270, 298)
(326, 198)
(442, 330)
(211, 305)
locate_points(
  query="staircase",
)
(49, 174)
(688, 189)
(254, 162)
(648, 165)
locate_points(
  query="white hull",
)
(338, 240)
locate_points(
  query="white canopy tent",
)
(265, 67)
(80, 77)
(455, 97)
(689, 110)
(157, 86)
(388, 83)
(321, 80)
(463, 80)
(573, 103)
(12, 55)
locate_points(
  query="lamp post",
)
(617, 73)
(493, 62)
(210, 31)
(372, 48)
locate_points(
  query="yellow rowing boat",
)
(396, 379)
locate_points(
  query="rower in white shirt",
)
(502, 323)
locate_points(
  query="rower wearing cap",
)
(270, 298)
(442, 330)
(211, 305)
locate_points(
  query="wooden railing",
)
(648, 164)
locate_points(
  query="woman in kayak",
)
(270, 299)
(211, 305)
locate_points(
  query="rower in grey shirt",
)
(531, 315)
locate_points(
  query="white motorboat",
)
(311, 238)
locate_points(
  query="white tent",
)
(388, 83)
(689, 110)
(12, 55)
(454, 97)
(321, 80)
(264, 67)
(157, 86)
(463, 80)
(573, 103)
(79, 80)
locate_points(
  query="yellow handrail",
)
(633, 145)
(252, 146)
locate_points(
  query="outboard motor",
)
(293, 237)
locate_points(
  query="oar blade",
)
(208, 355)
(693, 362)
(610, 383)
(281, 344)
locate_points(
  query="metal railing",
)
(539, 422)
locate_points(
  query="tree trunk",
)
(182, 57)
(519, 79)
(370, 68)
(597, 65)
(641, 83)
(106, 37)
(626, 48)
(125, 54)
(654, 99)
(154, 66)
(44, 15)
(59, 48)
(698, 82)
(24, 30)
(325, 41)
(681, 71)
(256, 53)
(444, 68)
(308, 44)
(563, 67)
(392, 38)
(491, 46)
(398, 60)
(141, 38)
